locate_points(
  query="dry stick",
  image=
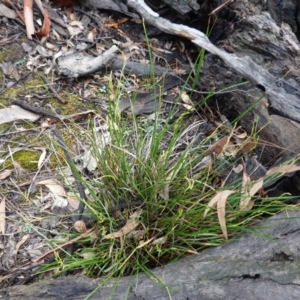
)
(50, 114)
(64, 246)
(52, 89)
(219, 8)
(37, 110)
(284, 96)
(85, 65)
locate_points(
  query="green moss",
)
(27, 159)
(33, 84)
(3, 102)
(74, 104)
(12, 53)
(4, 127)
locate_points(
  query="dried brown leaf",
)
(5, 174)
(221, 205)
(220, 196)
(42, 158)
(6, 12)
(73, 202)
(246, 182)
(241, 135)
(10, 3)
(247, 146)
(188, 103)
(164, 193)
(284, 169)
(115, 24)
(130, 225)
(160, 241)
(44, 31)
(238, 169)
(55, 187)
(256, 187)
(22, 241)
(249, 191)
(247, 202)
(219, 147)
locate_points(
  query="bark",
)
(262, 265)
(182, 7)
(262, 35)
(263, 51)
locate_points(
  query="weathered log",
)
(263, 54)
(274, 46)
(263, 264)
(182, 7)
(118, 6)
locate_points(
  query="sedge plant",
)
(148, 195)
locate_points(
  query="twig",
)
(76, 65)
(37, 110)
(52, 89)
(63, 246)
(219, 8)
(50, 114)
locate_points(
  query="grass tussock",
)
(150, 195)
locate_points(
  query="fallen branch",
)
(78, 64)
(52, 89)
(283, 95)
(260, 265)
